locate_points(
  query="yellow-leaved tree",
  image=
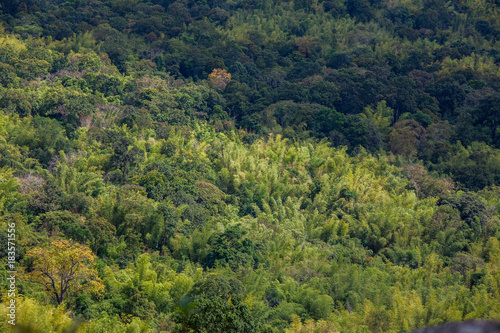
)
(219, 78)
(64, 266)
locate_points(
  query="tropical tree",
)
(215, 315)
(64, 267)
(219, 78)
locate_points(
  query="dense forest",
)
(249, 165)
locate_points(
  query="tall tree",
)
(64, 267)
(488, 113)
(126, 155)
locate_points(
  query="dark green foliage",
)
(217, 286)
(103, 234)
(70, 225)
(137, 304)
(274, 295)
(474, 177)
(162, 227)
(48, 140)
(231, 248)
(359, 9)
(488, 114)
(213, 315)
(126, 155)
(472, 211)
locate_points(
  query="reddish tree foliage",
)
(406, 137)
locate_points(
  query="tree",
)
(310, 325)
(425, 185)
(232, 248)
(9, 195)
(215, 315)
(219, 78)
(103, 233)
(214, 285)
(406, 138)
(307, 45)
(162, 227)
(359, 9)
(472, 210)
(473, 177)
(488, 113)
(125, 156)
(64, 267)
(63, 222)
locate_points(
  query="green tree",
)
(232, 248)
(488, 113)
(211, 315)
(71, 225)
(126, 155)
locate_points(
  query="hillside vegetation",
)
(250, 166)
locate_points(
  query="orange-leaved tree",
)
(64, 266)
(219, 78)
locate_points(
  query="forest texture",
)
(250, 166)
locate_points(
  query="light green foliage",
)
(32, 315)
(381, 116)
(148, 288)
(73, 175)
(305, 229)
(270, 205)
